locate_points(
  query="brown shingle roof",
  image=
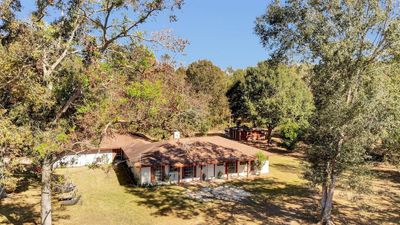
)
(211, 149)
(117, 141)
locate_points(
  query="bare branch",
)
(67, 47)
(124, 33)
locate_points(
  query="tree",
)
(345, 41)
(237, 102)
(209, 80)
(235, 96)
(274, 95)
(48, 64)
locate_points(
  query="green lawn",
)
(282, 197)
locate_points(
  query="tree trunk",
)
(327, 201)
(269, 135)
(46, 193)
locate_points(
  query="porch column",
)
(162, 172)
(179, 174)
(237, 167)
(201, 172)
(248, 168)
(214, 172)
(226, 170)
(152, 175)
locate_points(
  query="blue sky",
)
(218, 30)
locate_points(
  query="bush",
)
(10, 184)
(93, 166)
(290, 133)
(261, 159)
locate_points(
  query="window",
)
(231, 167)
(173, 169)
(252, 166)
(157, 173)
(243, 163)
(188, 172)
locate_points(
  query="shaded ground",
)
(275, 148)
(282, 197)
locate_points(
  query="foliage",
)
(93, 165)
(271, 95)
(261, 159)
(392, 148)
(219, 175)
(208, 80)
(237, 102)
(55, 72)
(348, 42)
(290, 133)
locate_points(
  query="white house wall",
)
(208, 170)
(242, 169)
(220, 169)
(145, 175)
(84, 159)
(265, 168)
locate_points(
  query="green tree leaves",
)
(271, 95)
(210, 81)
(347, 42)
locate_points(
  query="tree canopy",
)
(347, 42)
(56, 71)
(209, 80)
(271, 95)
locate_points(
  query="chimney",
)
(177, 135)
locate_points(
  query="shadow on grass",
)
(124, 176)
(383, 214)
(387, 174)
(272, 149)
(167, 200)
(268, 204)
(18, 211)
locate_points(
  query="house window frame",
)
(173, 169)
(231, 166)
(187, 174)
(158, 169)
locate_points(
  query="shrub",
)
(290, 132)
(93, 165)
(261, 159)
(10, 184)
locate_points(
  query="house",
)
(173, 161)
(244, 133)
(108, 150)
(188, 159)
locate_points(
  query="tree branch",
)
(68, 45)
(71, 99)
(125, 32)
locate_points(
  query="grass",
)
(282, 197)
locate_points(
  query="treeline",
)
(73, 71)
(69, 75)
(271, 95)
(353, 48)
(156, 99)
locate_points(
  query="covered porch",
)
(178, 172)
